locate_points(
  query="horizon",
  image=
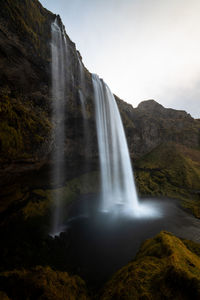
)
(143, 49)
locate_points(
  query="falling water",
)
(59, 58)
(86, 130)
(117, 182)
(82, 88)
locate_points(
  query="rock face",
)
(171, 170)
(150, 124)
(25, 89)
(165, 147)
(26, 141)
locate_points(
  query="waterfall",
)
(58, 67)
(117, 182)
(82, 97)
(82, 92)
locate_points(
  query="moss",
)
(42, 201)
(171, 170)
(3, 296)
(20, 128)
(31, 23)
(164, 268)
(10, 195)
(43, 283)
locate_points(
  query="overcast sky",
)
(143, 49)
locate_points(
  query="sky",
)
(143, 49)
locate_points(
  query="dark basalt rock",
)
(42, 283)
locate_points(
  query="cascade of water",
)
(82, 89)
(82, 97)
(117, 182)
(59, 59)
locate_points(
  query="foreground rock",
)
(164, 268)
(42, 283)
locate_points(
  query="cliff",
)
(26, 104)
(156, 135)
(164, 145)
(150, 125)
(26, 141)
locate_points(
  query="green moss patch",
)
(42, 283)
(22, 130)
(31, 23)
(42, 201)
(171, 170)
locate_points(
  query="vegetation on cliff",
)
(42, 283)
(25, 128)
(30, 22)
(171, 170)
(22, 130)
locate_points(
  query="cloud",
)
(142, 48)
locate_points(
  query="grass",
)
(171, 170)
(21, 127)
(164, 268)
(42, 283)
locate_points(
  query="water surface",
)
(101, 243)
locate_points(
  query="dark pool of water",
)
(101, 243)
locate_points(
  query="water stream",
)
(117, 182)
(59, 60)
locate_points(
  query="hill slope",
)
(164, 268)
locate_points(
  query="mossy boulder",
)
(26, 129)
(42, 283)
(164, 268)
(3, 296)
(23, 130)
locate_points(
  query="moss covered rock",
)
(164, 268)
(42, 283)
(23, 130)
(171, 170)
(3, 296)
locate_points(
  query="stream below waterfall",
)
(101, 243)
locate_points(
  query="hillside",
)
(171, 170)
